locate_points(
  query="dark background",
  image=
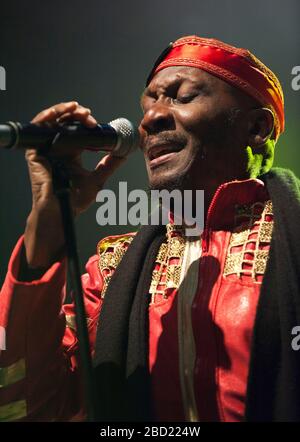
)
(99, 53)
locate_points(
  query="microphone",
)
(119, 137)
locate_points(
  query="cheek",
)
(203, 128)
(191, 117)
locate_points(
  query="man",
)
(190, 328)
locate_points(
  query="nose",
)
(157, 118)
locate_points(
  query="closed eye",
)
(182, 99)
(185, 95)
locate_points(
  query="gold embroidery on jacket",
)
(111, 250)
(172, 249)
(249, 243)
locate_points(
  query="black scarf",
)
(121, 352)
(121, 356)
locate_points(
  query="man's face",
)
(187, 137)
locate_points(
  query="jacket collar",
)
(232, 197)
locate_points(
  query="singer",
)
(181, 328)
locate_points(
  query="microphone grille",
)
(128, 137)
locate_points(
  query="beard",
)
(172, 183)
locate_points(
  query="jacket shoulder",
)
(111, 242)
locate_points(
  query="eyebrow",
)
(172, 82)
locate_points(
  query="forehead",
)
(174, 76)
(189, 75)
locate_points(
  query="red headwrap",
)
(234, 65)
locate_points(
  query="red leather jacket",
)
(203, 299)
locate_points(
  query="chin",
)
(169, 177)
(174, 181)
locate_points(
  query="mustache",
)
(163, 138)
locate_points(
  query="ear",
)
(260, 126)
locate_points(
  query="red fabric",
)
(234, 65)
(223, 314)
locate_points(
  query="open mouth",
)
(161, 154)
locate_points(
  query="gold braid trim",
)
(258, 231)
(111, 250)
(172, 248)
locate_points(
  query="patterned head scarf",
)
(237, 66)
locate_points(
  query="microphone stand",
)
(62, 189)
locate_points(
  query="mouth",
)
(161, 153)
